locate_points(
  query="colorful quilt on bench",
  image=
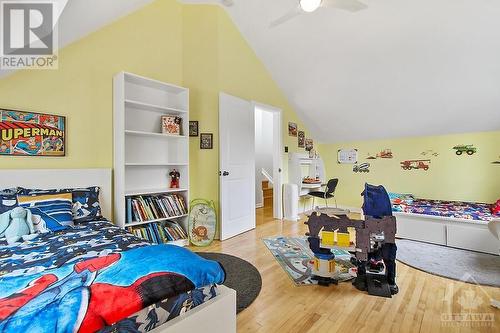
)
(454, 209)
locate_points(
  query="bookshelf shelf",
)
(180, 242)
(152, 107)
(155, 164)
(143, 156)
(157, 135)
(130, 193)
(133, 224)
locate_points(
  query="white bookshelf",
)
(143, 155)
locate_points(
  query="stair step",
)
(265, 184)
(267, 192)
(268, 202)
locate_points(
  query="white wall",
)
(263, 149)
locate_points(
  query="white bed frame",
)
(62, 178)
(453, 232)
(218, 315)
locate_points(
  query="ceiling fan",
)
(309, 6)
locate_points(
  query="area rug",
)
(241, 276)
(294, 256)
(456, 264)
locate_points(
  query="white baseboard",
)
(258, 205)
(351, 209)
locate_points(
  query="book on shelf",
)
(154, 207)
(159, 233)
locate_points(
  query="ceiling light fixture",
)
(310, 6)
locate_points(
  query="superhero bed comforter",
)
(454, 209)
(97, 277)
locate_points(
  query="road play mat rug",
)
(294, 255)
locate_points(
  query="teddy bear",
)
(17, 224)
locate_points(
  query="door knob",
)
(225, 173)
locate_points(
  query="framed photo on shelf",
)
(194, 128)
(206, 141)
(171, 125)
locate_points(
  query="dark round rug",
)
(456, 264)
(241, 276)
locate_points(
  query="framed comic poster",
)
(32, 134)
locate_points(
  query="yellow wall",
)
(82, 90)
(217, 58)
(450, 177)
(194, 46)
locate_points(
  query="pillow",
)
(8, 199)
(401, 198)
(86, 205)
(54, 209)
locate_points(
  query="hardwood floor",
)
(422, 305)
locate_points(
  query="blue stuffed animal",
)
(17, 224)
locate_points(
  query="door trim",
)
(277, 157)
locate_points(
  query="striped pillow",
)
(54, 209)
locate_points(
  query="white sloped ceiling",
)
(398, 68)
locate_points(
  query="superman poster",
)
(32, 134)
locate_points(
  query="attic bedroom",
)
(249, 166)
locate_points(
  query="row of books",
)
(159, 233)
(155, 207)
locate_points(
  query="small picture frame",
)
(309, 143)
(194, 128)
(292, 129)
(302, 139)
(206, 141)
(171, 124)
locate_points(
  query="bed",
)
(456, 224)
(96, 277)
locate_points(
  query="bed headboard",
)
(62, 178)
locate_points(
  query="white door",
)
(237, 165)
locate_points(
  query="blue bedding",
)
(90, 277)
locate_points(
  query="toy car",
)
(469, 149)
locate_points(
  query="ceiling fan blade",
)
(349, 5)
(288, 16)
(227, 3)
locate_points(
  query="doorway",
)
(237, 174)
(268, 161)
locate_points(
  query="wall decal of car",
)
(415, 164)
(363, 167)
(469, 149)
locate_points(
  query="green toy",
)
(469, 149)
(17, 224)
(202, 224)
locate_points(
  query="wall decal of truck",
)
(469, 149)
(415, 164)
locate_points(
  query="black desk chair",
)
(328, 193)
